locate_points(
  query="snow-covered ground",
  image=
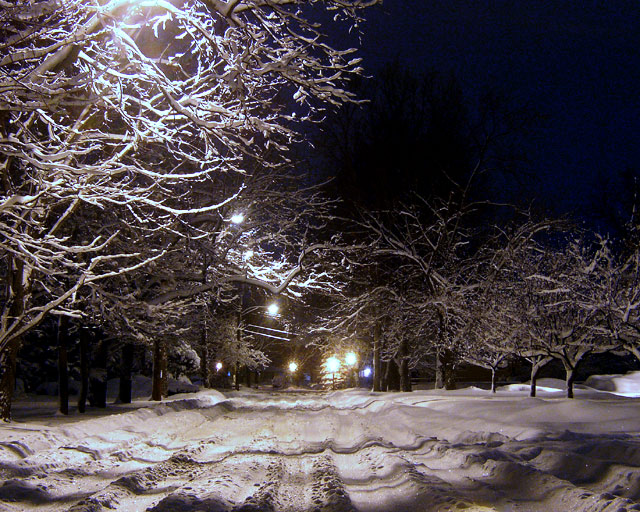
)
(333, 451)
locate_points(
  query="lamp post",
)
(333, 365)
(237, 218)
(293, 368)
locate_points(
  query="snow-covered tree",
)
(623, 288)
(488, 336)
(407, 284)
(133, 108)
(569, 303)
(502, 306)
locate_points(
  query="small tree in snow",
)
(569, 306)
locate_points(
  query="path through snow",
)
(331, 452)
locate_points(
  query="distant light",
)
(237, 218)
(247, 255)
(218, 366)
(293, 366)
(351, 358)
(273, 309)
(366, 372)
(333, 364)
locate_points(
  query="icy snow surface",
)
(353, 450)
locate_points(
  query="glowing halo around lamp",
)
(351, 358)
(273, 309)
(293, 366)
(333, 364)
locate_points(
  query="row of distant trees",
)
(457, 267)
(433, 285)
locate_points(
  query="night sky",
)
(577, 64)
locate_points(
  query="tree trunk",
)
(236, 377)
(63, 366)
(164, 367)
(493, 380)
(84, 369)
(98, 375)
(126, 363)
(534, 380)
(393, 376)
(8, 358)
(403, 368)
(159, 372)
(537, 363)
(405, 377)
(570, 377)
(450, 378)
(204, 359)
(439, 383)
(384, 371)
(377, 362)
(15, 301)
(445, 374)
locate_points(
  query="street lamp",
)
(218, 366)
(237, 218)
(293, 366)
(333, 365)
(351, 358)
(273, 309)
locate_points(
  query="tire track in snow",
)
(278, 457)
(513, 474)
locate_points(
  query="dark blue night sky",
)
(575, 62)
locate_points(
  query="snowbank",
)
(624, 385)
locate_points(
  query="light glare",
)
(293, 366)
(273, 309)
(237, 218)
(333, 364)
(351, 358)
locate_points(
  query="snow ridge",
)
(346, 451)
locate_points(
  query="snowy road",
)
(342, 451)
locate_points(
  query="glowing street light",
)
(350, 360)
(273, 309)
(293, 366)
(366, 372)
(333, 365)
(218, 366)
(237, 218)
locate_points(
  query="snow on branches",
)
(129, 125)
